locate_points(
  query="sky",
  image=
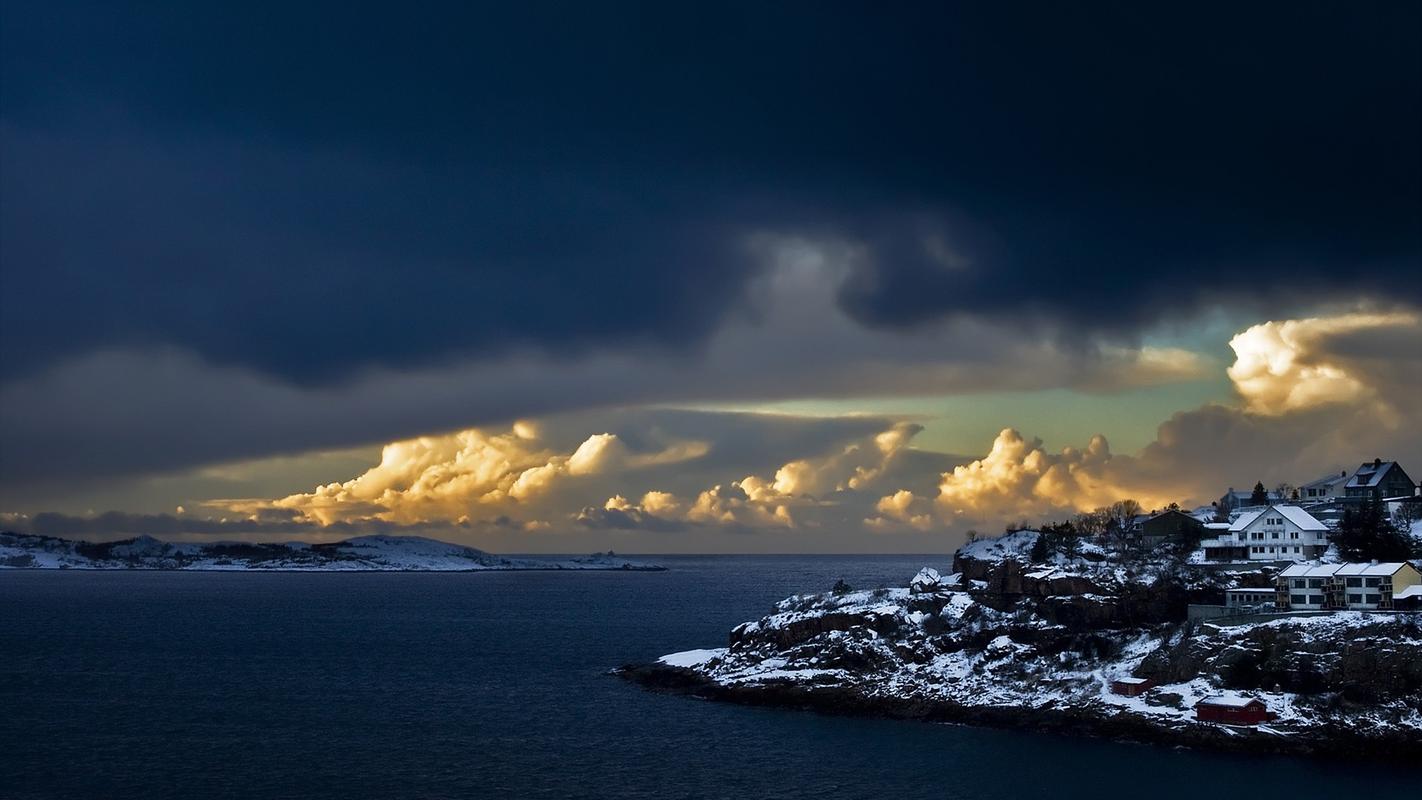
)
(741, 277)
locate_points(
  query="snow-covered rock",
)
(927, 580)
(974, 656)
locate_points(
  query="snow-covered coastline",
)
(358, 554)
(1016, 644)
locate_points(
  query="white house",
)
(1324, 490)
(1352, 586)
(1273, 533)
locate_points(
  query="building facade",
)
(1362, 587)
(1324, 490)
(1379, 480)
(1274, 533)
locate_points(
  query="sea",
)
(132, 684)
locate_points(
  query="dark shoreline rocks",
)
(1392, 748)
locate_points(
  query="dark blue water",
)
(153, 685)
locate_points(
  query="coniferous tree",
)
(1366, 533)
(1259, 497)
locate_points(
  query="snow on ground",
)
(1002, 670)
(691, 658)
(995, 548)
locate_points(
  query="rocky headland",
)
(1010, 640)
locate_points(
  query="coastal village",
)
(1281, 620)
(1295, 530)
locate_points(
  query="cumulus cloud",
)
(902, 508)
(1315, 395)
(1021, 478)
(1298, 364)
(448, 477)
(807, 485)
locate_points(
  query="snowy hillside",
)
(363, 553)
(1038, 645)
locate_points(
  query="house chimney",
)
(1377, 462)
(1343, 473)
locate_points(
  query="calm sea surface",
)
(157, 685)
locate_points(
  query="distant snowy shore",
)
(1007, 642)
(359, 554)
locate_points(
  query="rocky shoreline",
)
(1393, 748)
(1015, 638)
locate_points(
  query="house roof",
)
(1370, 475)
(1300, 518)
(1414, 590)
(1246, 519)
(1269, 589)
(1329, 480)
(1309, 570)
(1133, 681)
(1348, 570)
(1245, 495)
(1229, 702)
(1385, 568)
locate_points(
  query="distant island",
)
(359, 554)
(1088, 639)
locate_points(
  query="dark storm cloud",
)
(315, 190)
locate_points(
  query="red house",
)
(1232, 710)
(1131, 687)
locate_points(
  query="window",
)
(1315, 599)
(1371, 582)
(1354, 583)
(1355, 598)
(1293, 534)
(1374, 598)
(1296, 550)
(1300, 583)
(1298, 599)
(1315, 583)
(1275, 536)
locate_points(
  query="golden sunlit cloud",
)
(1290, 365)
(445, 478)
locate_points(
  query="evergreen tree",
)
(1366, 533)
(1057, 537)
(1259, 497)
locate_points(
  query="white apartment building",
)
(1275, 533)
(1350, 586)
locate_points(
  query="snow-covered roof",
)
(1246, 519)
(1300, 518)
(1385, 568)
(1369, 474)
(1217, 526)
(1349, 570)
(1133, 681)
(1231, 702)
(1309, 570)
(1251, 591)
(1412, 591)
